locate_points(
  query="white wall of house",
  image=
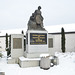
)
(2, 43)
(69, 43)
(56, 44)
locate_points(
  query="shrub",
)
(1, 55)
(8, 51)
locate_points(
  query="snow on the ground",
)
(66, 67)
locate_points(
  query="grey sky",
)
(16, 13)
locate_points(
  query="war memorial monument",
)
(36, 35)
(36, 42)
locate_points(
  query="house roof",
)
(57, 28)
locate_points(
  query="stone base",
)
(28, 62)
(33, 55)
(12, 61)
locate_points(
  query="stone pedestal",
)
(36, 43)
(17, 47)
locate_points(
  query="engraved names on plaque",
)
(38, 38)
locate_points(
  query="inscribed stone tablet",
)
(17, 43)
(2, 73)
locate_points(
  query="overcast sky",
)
(16, 13)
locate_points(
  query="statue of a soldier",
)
(36, 21)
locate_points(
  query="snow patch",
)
(66, 66)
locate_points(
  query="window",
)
(50, 43)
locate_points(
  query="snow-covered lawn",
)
(66, 67)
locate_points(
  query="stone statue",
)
(36, 20)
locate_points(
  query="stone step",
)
(28, 62)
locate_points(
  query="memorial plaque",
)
(17, 43)
(38, 38)
(2, 73)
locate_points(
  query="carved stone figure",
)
(36, 20)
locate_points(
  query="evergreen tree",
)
(22, 32)
(7, 49)
(6, 40)
(62, 40)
